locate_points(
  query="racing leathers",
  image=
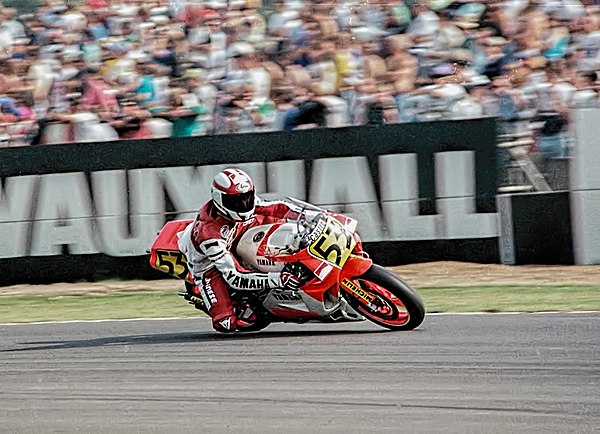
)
(215, 269)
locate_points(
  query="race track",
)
(457, 373)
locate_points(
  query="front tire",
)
(396, 305)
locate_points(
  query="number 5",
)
(172, 262)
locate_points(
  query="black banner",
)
(32, 204)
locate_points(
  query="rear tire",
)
(382, 283)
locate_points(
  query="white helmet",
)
(233, 194)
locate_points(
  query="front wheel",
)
(386, 299)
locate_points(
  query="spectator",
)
(99, 95)
(586, 95)
(183, 114)
(283, 97)
(227, 67)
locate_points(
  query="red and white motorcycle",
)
(341, 282)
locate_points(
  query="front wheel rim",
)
(387, 308)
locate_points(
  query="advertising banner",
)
(85, 211)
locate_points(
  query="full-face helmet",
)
(233, 194)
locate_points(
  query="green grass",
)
(511, 298)
(90, 307)
(168, 304)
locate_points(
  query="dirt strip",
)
(470, 274)
(419, 275)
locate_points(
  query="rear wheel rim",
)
(389, 309)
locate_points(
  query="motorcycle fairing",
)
(164, 253)
(333, 244)
(330, 245)
(251, 255)
(265, 241)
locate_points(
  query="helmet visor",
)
(239, 203)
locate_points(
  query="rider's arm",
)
(279, 209)
(273, 208)
(235, 275)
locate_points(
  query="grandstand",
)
(104, 70)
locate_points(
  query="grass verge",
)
(511, 298)
(168, 304)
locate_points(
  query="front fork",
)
(357, 264)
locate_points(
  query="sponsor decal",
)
(242, 187)
(317, 231)
(358, 291)
(241, 282)
(224, 231)
(258, 236)
(118, 212)
(210, 294)
(225, 323)
(265, 261)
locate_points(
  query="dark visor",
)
(242, 202)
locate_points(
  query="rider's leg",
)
(215, 293)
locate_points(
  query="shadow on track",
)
(178, 338)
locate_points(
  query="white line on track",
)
(552, 312)
(195, 318)
(74, 321)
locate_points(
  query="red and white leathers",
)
(215, 269)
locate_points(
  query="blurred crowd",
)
(99, 70)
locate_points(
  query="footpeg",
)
(192, 299)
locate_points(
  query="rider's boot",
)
(245, 315)
(248, 319)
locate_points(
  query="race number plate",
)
(334, 244)
(172, 262)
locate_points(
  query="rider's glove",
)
(290, 280)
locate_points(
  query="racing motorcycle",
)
(340, 281)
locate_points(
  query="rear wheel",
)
(387, 300)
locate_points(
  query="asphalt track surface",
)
(457, 373)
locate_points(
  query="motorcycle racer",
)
(234, 205)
